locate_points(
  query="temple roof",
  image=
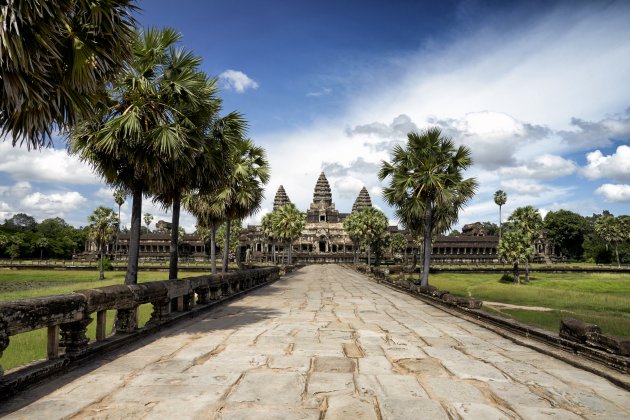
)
(281, 198)
(322, 190)
(363, 200)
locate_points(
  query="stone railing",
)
(575, 337)
(66, 317)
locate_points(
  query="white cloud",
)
(105, 193)
(542, 167)
(348, 187)
(615, 166)
(617, 193)
(237, 80)
(318, 93)
(56, 203)
(50, 165)
(523, 186)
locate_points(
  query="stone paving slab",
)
(325, 343)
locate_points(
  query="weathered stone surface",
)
(269, 388)
(333, 364)
(344, 407)
(256, 358)
(576, 330)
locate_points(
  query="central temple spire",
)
(322, 192)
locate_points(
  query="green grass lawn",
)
(20, 284)
(599, 298)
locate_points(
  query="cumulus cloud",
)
(617, 193)
(615, 166)
(49, 165)
(357, 166)
(599, 133)
(348, 187)
(397, 129)
(55, 203)
(237, 80)
(523, 186)
(543, 167)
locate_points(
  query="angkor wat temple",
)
(324, 239)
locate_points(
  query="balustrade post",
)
(73, 336)
(203, 295)
(126, 320)
(101, 325)
(161, 311)
(53, 342)
(188, 301)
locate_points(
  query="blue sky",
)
(537, 89)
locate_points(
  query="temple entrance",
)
(322, 246)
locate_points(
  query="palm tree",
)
(241, 190)
(289, 223)
(201, 206)
(131, 141)
(57, 57)
(611, 229)
(101, 231)
(368, 225)
(41, 244)
(427, 185)
(398, 243)
(119, 199)
(514, 247)
(529, 222)
(500, 198)
(268, 227)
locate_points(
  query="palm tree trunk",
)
(517, 278)
(369, 249)
(101, 275)
(41, 253)
(617, 252)
(213, 249)
(226, 251)
(117, 235)
(527, 270)
(499, 223)
(428, 227)
(134, 235)
(173, 257)
(290, 258)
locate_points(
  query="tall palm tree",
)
(427, 185)
(119, 199)
(500, 198)
(57, 57)
(201, 206)
(611, 230)
(529, 221)
(242, 187)
(101, 231)
(514, 248)
(268, 227)
(131, 141)
(367, 225)
(289, 223)
(41, 244)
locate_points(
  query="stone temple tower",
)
(322, 208)
(281, 198)
(363, 200)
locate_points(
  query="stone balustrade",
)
(67, 316)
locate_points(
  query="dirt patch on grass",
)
(499, 306)
(15, 286)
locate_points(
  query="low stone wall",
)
(585, 340)
(67, 316)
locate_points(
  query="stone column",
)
(126, 320)
(161, 311)
(73, 337)
(203, 295)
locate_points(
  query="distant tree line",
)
(22, 237)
